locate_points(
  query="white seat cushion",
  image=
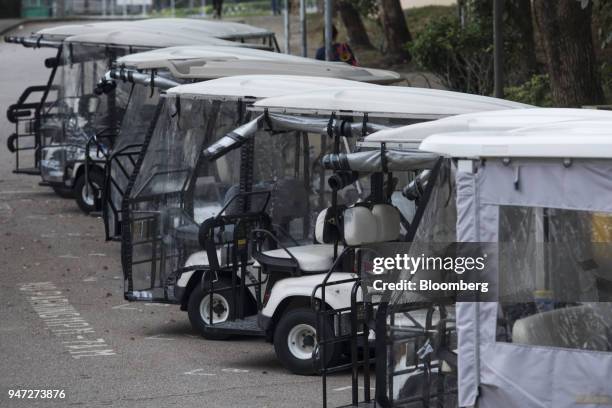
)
(360, 226)
(311, 258)
(388, 220)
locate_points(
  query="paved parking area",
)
(112, 353)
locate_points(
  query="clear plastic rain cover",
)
(555, 276)
(420, 327)
(172, 193)
(79, 113)
(176, 188)
(139, 117)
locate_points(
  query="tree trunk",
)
(522, 62)
(356, 32)
(395, 28)
(565, 29)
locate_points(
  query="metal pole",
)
(287, 28)
(125, 8)
(104, 8)
(328, 29)
(190, 6)
(61, 8)
(203, 8)
(498, 48)
(304, 30)
(144, 8)
(172, 4)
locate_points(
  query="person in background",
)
(340, 51)
(217, 8)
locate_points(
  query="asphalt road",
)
(52, 257)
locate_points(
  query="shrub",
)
(536, 91)
(461, 57)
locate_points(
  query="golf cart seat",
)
(360, 226)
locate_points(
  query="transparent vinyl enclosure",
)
(177, 187)
(139, 117)
(79, 113)
(420, 367)
(555, 278)
(162, 208)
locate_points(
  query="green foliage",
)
(536, 92)
(461, 57)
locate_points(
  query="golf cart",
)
(286, 317)
(54, 121)
(147, 73)
(278, 188)
(513, 193)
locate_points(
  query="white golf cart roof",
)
(171, 26)
(259, 86)
(416, 103)
(146, 39)
(573, 139)
(160, 58)
(207, 62)
(412, 135)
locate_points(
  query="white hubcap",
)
(220, 309)
(89, 194)
(302, 341)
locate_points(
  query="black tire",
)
(63, 192)
(10, 143)
(198, 321)
(301, 366)
(96, 178)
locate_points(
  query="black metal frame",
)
(27, 117)
(379, 316)
(247, 225)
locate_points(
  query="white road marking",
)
(199, 371)
(125, 306)
(68, 256)
(234, 370)
(63, 320)
(157, 304)
(90, 279)
(97, 254)
(5, 207)
(159, 337)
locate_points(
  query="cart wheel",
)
(198, 309)
(88, 197)
(295, 342)
(64, 192)
(10, 143)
